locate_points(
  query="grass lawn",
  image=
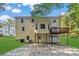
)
(8, 44)
(72, 41)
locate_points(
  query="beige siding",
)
(31, 31)
(28, 29)
(57, 23)
(44, 38)
(39, 30)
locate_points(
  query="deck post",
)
(67, 40)
(46, 37)
(38, 37)
(35, 38)
(49, 37)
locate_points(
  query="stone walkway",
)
(43, 50)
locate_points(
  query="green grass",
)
(8, 44)
(72, 41)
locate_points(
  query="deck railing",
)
(59, 30)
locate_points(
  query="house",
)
(40, 30)
(1, 32)
(7, 30)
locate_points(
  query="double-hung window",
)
(42, 26)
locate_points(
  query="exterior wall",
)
(7, 30)
(44, 38)
(29, 31)
(39, 30)
(57, 23)
(1, 31)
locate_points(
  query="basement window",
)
(21, 40)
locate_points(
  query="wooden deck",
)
(59, 30)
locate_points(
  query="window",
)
(48, 26)
(54, 20)
(22, 20)
(42, 26)
(0, 30)
(36, 26)
(27, 37)
(32, 20)
(21, 40)
(23, 28)
(6, 31)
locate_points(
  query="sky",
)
(17, 9)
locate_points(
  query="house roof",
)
(39, 17)
(44, 18)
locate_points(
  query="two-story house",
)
(41, 30)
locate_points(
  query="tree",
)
(2, 8)
(1, 25)
(44, 9)
(64, 21)
(74, 17)
(75, 14)
(10, 24)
